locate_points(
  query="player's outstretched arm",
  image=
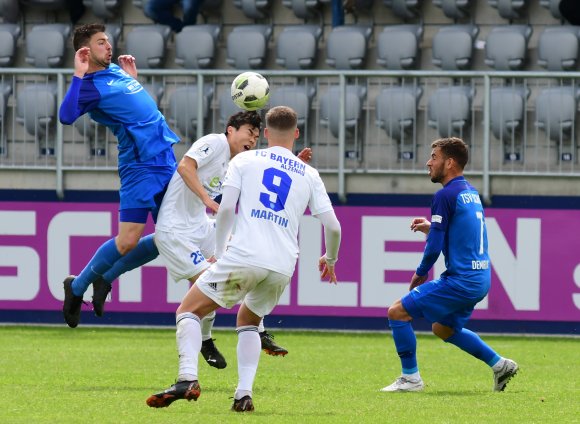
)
(225, 219)
(420, 224)
(127, 64)
(332, 235)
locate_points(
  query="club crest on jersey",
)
(133, 87)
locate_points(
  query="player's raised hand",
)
(127, 64)
(82, 61)
(305, 154)
(326, 270)
(420, 224)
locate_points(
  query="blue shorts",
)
(143, 185)
(442, 302)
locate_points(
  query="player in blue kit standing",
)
(113, 97)
(457, 229)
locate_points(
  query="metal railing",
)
(352, 119)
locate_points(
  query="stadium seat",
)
(195, 46)
(553, 7)
(304, 9)
(454, 9)
(330, 108)
(453, 47)
(508, 105)
(398, 46)
(10, 11)
(36, 110)
(254, 9)
(508, 9)
(247, 46)
(449, 110)
(9, 33)
(297, 46)
(184, 107)
(346, 46)
(506, 47)
(556, 112)
(404, 9)
(298, 98)
(5, 92)
(558, 48)
(396, 111)
(45, 45)
(147, 43)
(103, 9)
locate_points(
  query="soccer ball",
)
(250, 91)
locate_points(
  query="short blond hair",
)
(281, 118)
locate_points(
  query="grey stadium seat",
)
(553, 6)
(346, 46)
(304, 9)
(506, 47)
(36, 110)
(9, 33)
(558, 48)
(454, 9)
(508, 9)
(508, 106)
(298, 98)
(254, 9)
(396, 110)
(330, 104)
(183, 108)
(398, 46)
(405, 9)
(453, 47)
(297, 46)
(45, 45)
(247, 46)
(195, 46)
(449, 110)
(556, 111)
(147, 43)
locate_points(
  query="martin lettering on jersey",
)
(270, 216)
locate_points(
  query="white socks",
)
(207, 325)
(249, 347)
(188, 345)
(261, 328)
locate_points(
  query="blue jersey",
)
(115, 99)
(457, 211)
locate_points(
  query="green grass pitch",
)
(104, 375)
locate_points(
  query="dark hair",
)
(281, 118)
(83, 34)
(454, 148)
(252, 118)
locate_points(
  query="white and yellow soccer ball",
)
(250, 91)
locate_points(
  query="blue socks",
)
(144, 252)
(406, 345)
(103, 259)
(471, 343)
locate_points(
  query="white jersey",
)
(275, 189)
(181, 209)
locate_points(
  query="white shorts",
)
(185, 254)
(227, 282)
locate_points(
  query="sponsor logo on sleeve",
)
(437, 218)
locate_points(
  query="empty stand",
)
(184, 107)
(147, 43)
(45, 45)
(226, 106)
(454, 9)
(449, 110)
(254, 9)
(103, 9)
(396, 114)
(508, 9)
(346, 47)
(453, 47)
(304, 9)
(398, 46)
(405, 9)
(330, 107)
(556, 112)
(297, 46)
(553, 6)
(298, 98)
(36, 110)
(247, 46)
(506, 47)
(558, 48)
(9, 33)
(195, 46)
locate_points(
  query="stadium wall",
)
(534, 250)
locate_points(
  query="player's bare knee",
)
(126, 244)
(397, 312)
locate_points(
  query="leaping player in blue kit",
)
(457, 229)
(113, 97)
